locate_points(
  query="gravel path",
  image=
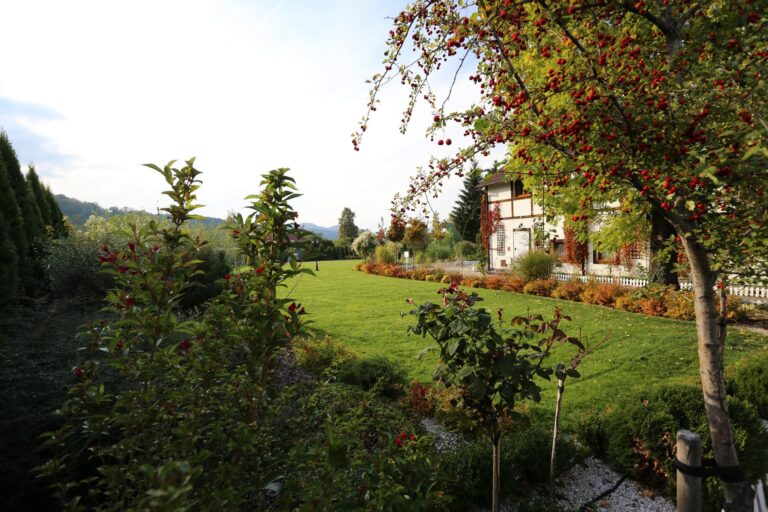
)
(580, 484)
(585, 481)
(445, 440)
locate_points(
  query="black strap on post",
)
(709, 468)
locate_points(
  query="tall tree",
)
(662, 103)
(11, 238)
(58, 221)
(33, 223)
(14, 219)
(416, 235)
(466, 214)
(396, 230)
(37, 193)
(348, 231)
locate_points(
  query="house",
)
(517, 216)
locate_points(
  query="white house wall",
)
(517, 218)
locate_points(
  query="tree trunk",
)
(495, 492)
(662, 262)
(555, 430)
(738, 496)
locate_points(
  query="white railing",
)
(751, 292)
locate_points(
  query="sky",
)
(90, 90)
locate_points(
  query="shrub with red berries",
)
(156, 389)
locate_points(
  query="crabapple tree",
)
(660, 105)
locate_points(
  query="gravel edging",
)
(583, 482)
(579, 485)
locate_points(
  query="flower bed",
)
(652, 300)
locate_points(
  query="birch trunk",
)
(738, 496)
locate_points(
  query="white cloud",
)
(244, 86)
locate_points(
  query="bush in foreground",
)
(638, 435)
(523, 457)
(749, 381)
(379, 373)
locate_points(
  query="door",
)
(521, 242)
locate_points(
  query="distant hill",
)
(78, 212)
(331, 233)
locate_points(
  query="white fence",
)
(749, 292)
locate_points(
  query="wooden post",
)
(688, 487)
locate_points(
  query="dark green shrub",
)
(438, 250)
(318, 355)
(591, 430)
(185, 427)
(73, 267)
(388, 377)
(534, 265)
(464, 250)
(524, 459)
(749, 382)
(638, 436)
(375, 417)
(336, 473)
(206, 285)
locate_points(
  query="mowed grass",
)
(364, 312)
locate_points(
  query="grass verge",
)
(364, 312)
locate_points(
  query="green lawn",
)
(363, 311)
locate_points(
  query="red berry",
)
(447, 142)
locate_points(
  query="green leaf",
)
(572, 372)
(481, 125)
(465, 372)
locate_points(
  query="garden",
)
(316, 387)
(160, 362)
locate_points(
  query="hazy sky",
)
(89, 90)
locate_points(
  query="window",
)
(500, 240)
(518, 190)
(604, 257)
(558, 249)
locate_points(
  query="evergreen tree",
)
(347, 229)
(30, 214)
(58, 221)
(37, 193)
(11, 238)
(466, 214)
